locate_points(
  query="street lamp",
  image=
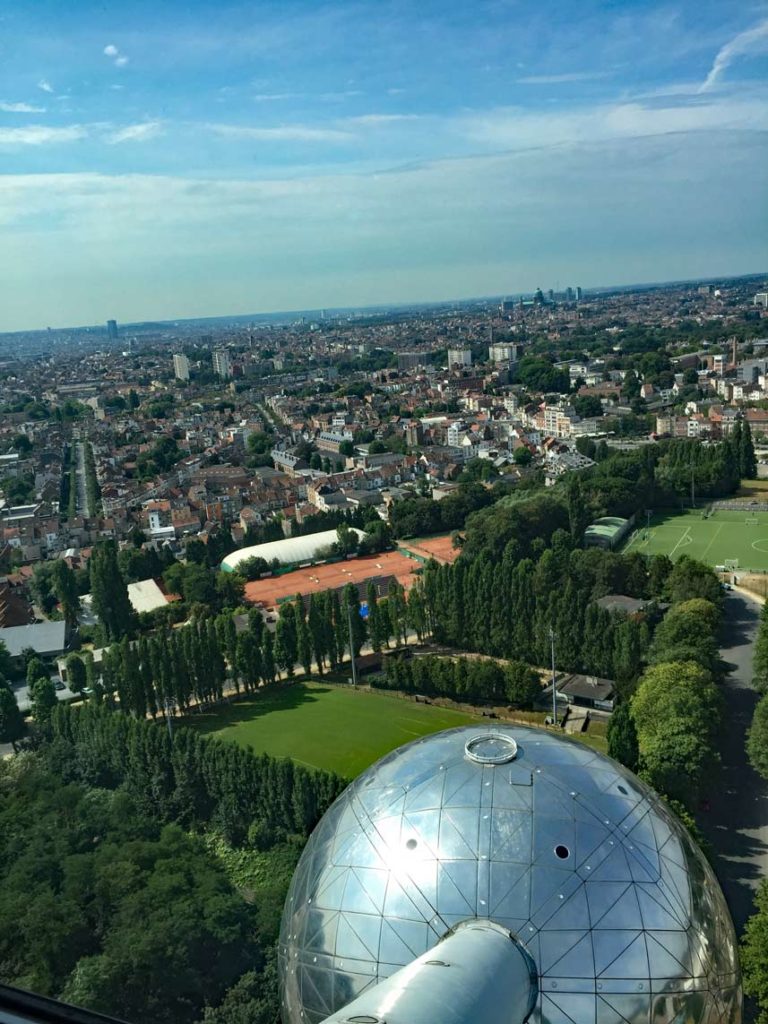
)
(351, 644)
(169, 706)
(554, 676)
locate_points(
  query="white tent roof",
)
(288, 551)
(144, 596)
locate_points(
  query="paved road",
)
(21, 690)
(82, 490)
(737, 821)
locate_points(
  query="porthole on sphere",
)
(411, 844)
(562, 852)
(621, 789)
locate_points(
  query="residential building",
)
(222, 364)
(502, 352)
(459, 357)
(181, 367)
(410, 360)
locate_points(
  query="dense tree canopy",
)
(102, 907)
(754, 953)
(676, 712)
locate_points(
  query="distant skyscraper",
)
(551, 295)
(222, 364)
(569, 294)
(502, 352)
(459, 357)
(181, 367)
(579, 294)
(410, 360)
(112, 330)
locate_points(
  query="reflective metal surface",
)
(620, 912)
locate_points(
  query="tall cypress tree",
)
(110, 592)
(268, 657)
(351, 608)
(286, 640)
(374, 623)
(304, 640)
(747, 460)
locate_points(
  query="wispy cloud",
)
(374, 119)
(333, 97)
(20, 108)
(569, 76)
(282, 133)
(136, 132)
(41, 135)
(45, 85)
(274, 97)
(518, 128)
(754, 39)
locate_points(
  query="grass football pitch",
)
(726, 535)
(342, 730)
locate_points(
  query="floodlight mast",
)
(477, 974)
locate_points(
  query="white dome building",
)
(576, 860)
(288, 551)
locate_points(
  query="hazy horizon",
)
(599, 288)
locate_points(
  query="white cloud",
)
(282, 133)
(753, 40)
(45, 85)
(20, 108)
(622, 210)
(517, 128)
(111, 51)
(374, 119)
(273, 97)
(571, 76)
(135, 132)
(41, 135)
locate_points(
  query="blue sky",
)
(200, 158)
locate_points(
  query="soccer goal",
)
(731, 564)
(751, 520)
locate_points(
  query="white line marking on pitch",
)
(714, 536)
(685, 537)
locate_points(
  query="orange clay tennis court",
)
(330, 576)
(440, 548)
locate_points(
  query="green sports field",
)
(339, 729)
(726, 535)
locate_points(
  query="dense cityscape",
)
(383, 512)
(545, 509)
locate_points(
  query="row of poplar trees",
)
(195, 663)
(506, 607)
(193, 780)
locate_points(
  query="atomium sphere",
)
(617, 907)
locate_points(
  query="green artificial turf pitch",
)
(722, 537)
(343, 730)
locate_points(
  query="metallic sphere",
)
(617, 907)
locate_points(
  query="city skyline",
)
(186, 162)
